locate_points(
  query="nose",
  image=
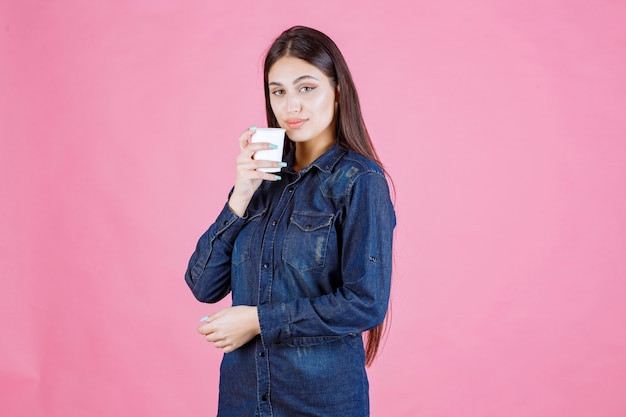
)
(293, 104)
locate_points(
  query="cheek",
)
(325, 104)
(275, 107)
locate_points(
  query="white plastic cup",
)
(273, 135)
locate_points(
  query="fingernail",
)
(205, 318)
(252, 128)
(282, 164)
(272, 146)
(277, 177)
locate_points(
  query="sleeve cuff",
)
(273, 322)
(229, 224)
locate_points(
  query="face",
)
(303, 101)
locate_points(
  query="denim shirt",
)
(314, 254)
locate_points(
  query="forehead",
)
(288, 69)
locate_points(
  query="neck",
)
(307, 152)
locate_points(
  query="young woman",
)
(307, 254)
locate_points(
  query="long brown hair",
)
(319, 50)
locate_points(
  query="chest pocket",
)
(306, 240)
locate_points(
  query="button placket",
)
(266, 276)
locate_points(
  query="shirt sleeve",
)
(208, 272)
(361, 302)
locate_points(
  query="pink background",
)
(503, 127)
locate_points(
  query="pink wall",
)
(503, 128)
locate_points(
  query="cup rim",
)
(270, 128)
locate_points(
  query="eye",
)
(306, 89)
(278, 92)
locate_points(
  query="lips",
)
(295, 123)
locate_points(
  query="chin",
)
(297, 136)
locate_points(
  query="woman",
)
(307, 254)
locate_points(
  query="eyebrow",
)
(296, 81)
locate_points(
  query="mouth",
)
(295, 123)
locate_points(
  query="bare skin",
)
(231, 328)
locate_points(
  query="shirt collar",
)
(326, 162)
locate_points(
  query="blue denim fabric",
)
(314, 253)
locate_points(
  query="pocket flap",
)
(309, 222)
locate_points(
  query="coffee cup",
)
(275, 136)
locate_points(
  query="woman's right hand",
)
(247, 178)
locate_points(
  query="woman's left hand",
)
(231, 328)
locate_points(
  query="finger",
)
(207, 326)
(269, 176)
(249, 171)
(248, 150)
(266, 163)
(227, 347)
(205, 329)
(216, 315)
(220, 344)
(256, 164)
(244, 139)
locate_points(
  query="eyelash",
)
(306, 89)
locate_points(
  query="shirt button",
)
(262, 354)
(264, 398)
(291, 190)
(274, 223)
(266, 265)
